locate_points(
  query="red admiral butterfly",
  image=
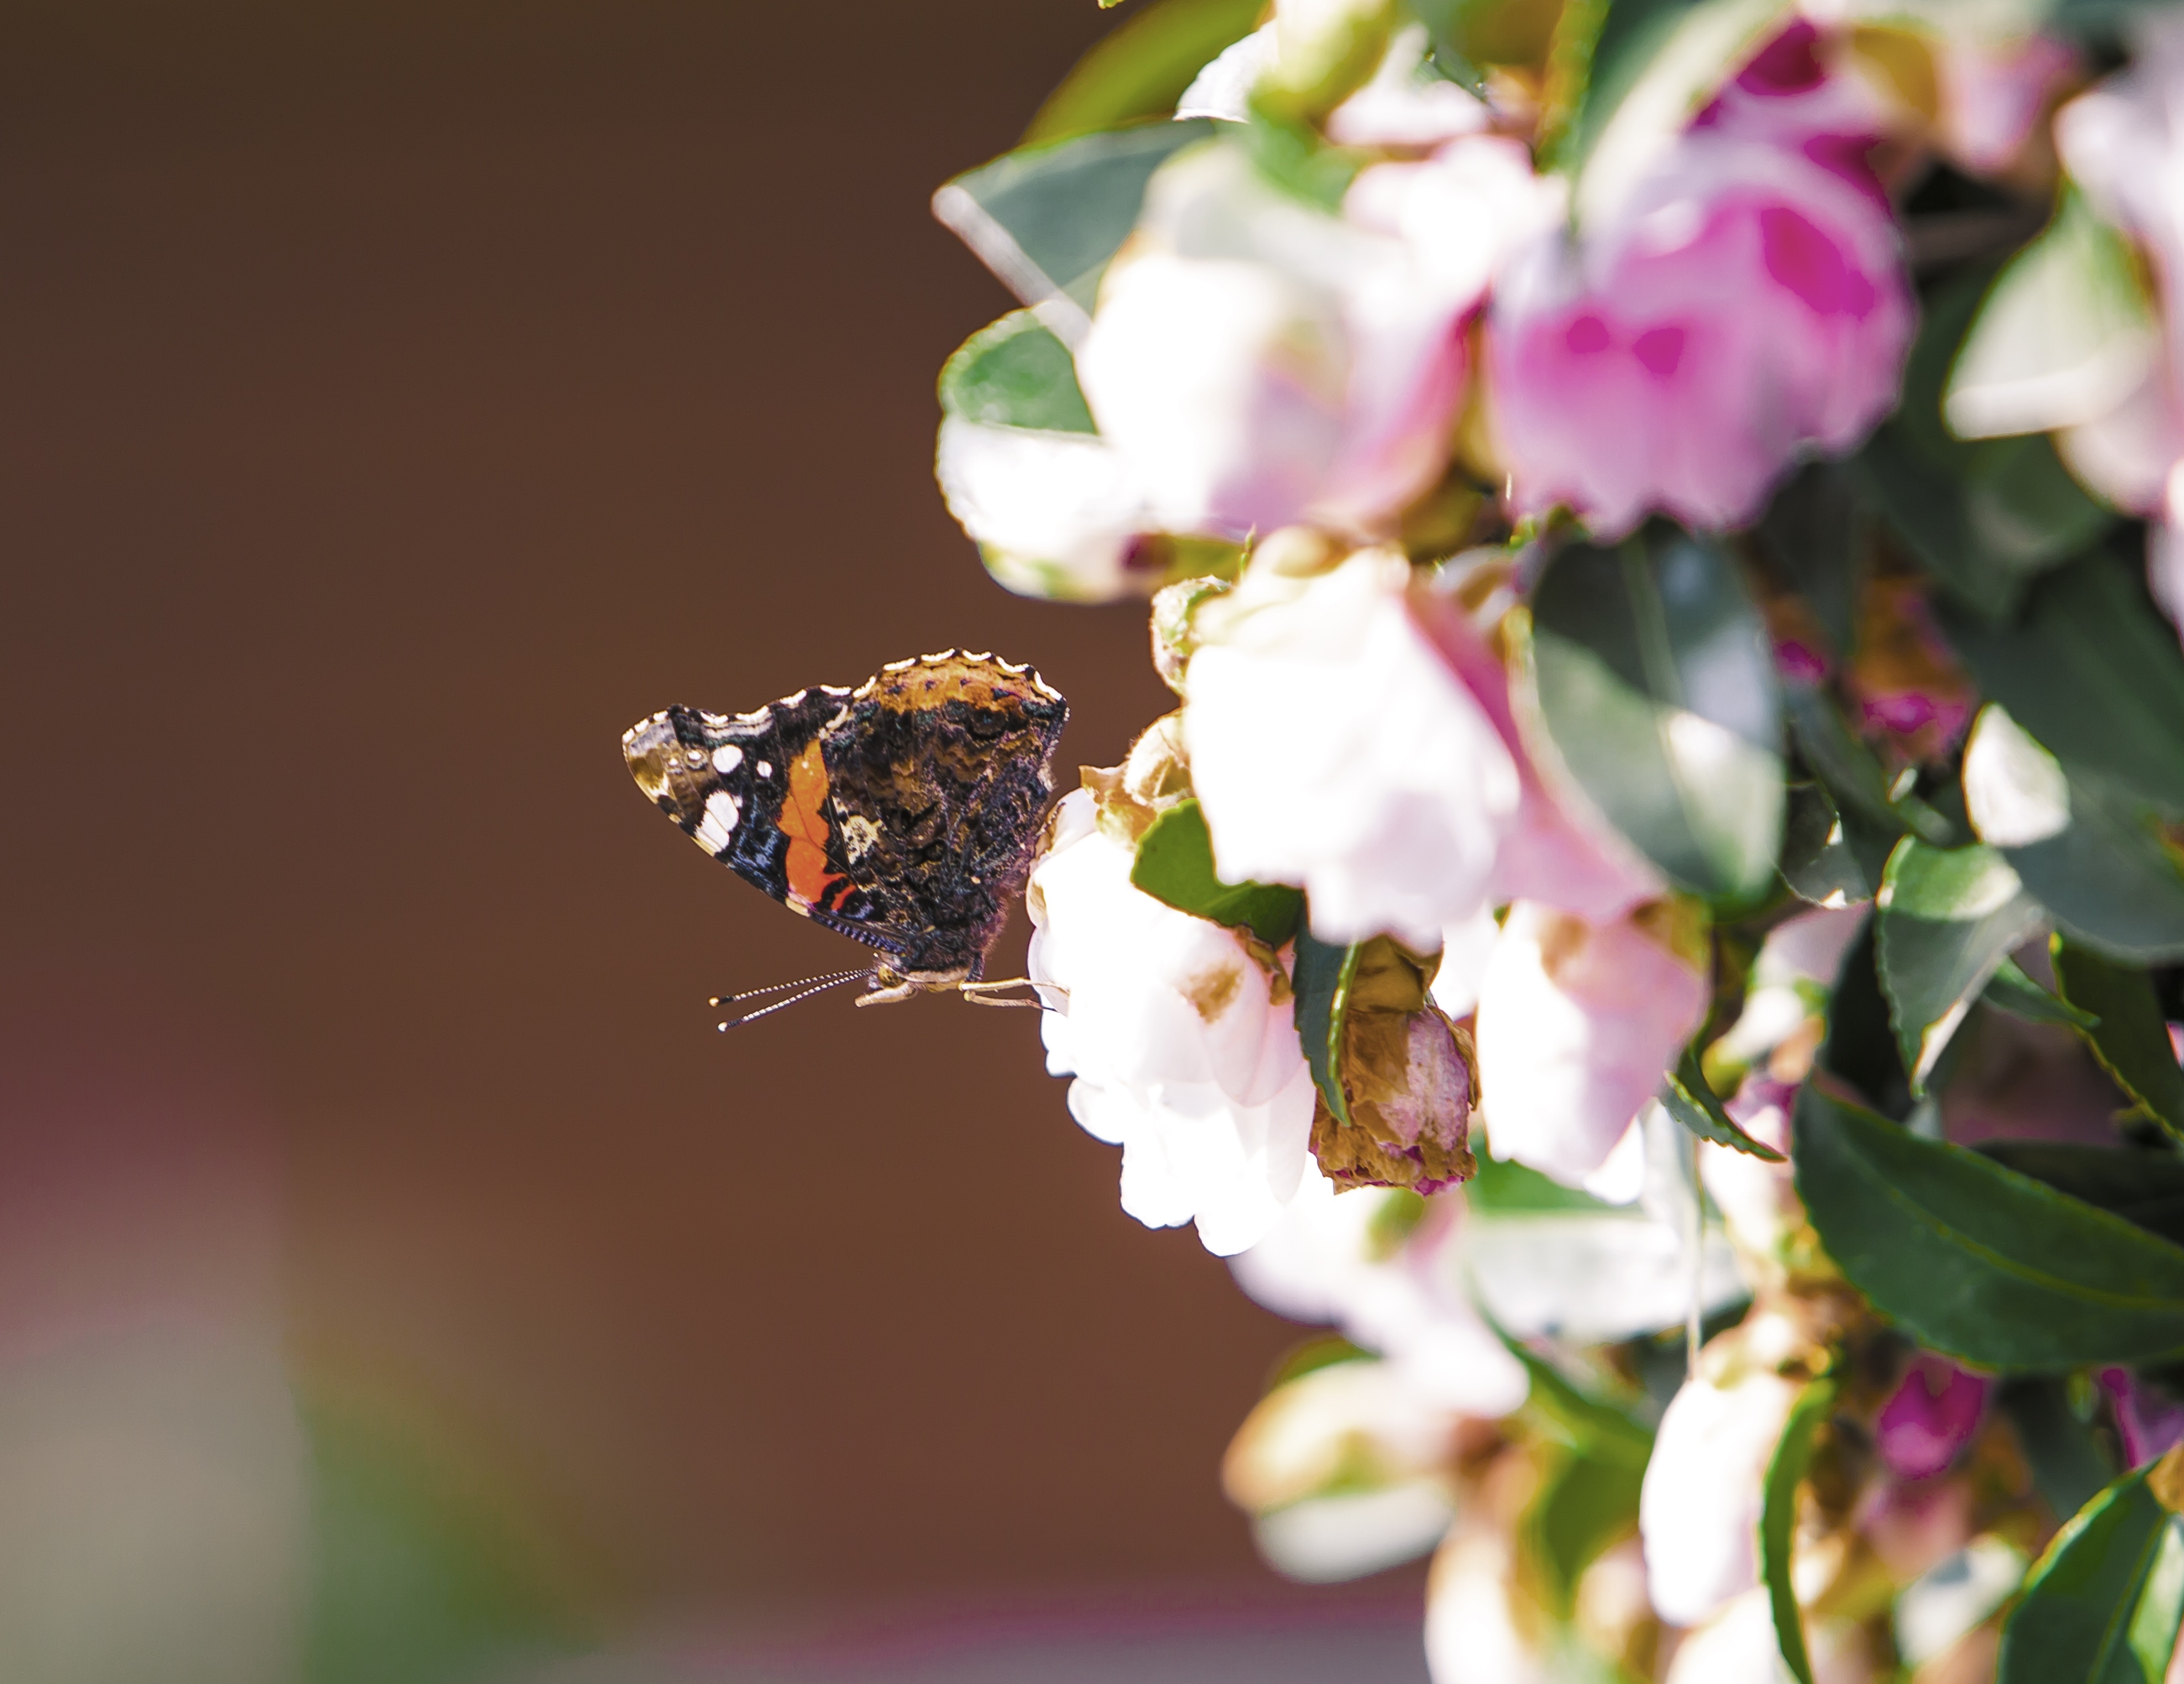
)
(903, 813)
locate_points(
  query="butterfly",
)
(904, 813)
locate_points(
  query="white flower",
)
(1183, 1055)
(1577, 1024)
(1056, 515)
(1328, 1259)
(1259, 361)
(1736, 1645)
(1343, 1471)
(1475, 1631)
(1333, 746)
(1698, 1511)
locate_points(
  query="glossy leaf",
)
(2091, 674)
(1015, 373)
(1859, 1048)
(1142, 68)
(1982, 517)
(2130, 1035)
(2145, 1188)
(1976, 1261)
(2009, 990)
(1174, 865)
(1947, 919)
(1817, 861)
(2104, 1603)
(1656, 686)
(1778, 1518)
(2064, 335)
(1321, 979)
(1652, 67)
(1690, 1098)
(1046, 218)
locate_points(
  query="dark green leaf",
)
(1817, 863)
(2092, 671)
(1174, 865)
(2069, 1461)
(2130, 1036)
(1852, 775)
(1811, 531)
(2110, 878)
(2009, 990)
(1656, 686)
(1321, 981)
(1778, 1518)
(1142, 68)
(1975, 1260)
(1859, 1049)
(1015, 373)
(2145, 1188)
(2104, 1603)
(1046, 218)
(1688, 1097)
(1947, 919)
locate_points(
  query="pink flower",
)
(1577, 1024)
(1745, 305)
(2150, 1422)
(1256, 361)
(1930, 1416)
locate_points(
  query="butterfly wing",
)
(938, 777)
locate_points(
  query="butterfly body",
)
(903, 813)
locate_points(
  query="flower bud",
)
(1175, 638)
(1406, 1074)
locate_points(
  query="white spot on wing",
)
(765, 768)
(719, 822)
(726, 758)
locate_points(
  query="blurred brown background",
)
(396, 401)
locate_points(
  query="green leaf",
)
(1585, 1503)
(1976, 1261)
(1504, 1187)
(1859, 1049)
(1817, 861)
(2069, 1461)
(1851, 773)
(2009, 990)
(2093, 673)
(1578, 1419)
(1174, 865)
(2064, 336)
(1046, 218)
(1984, 525)
(1947, 919)
(1687, 1096)
(1654, 65)
(1321, 981)
(1141, 69)
(1778, 1518)
(1982, 517)
(2103, 1604)
(2145, 1188)
(1813, 531)
(2129, 1034)
(1015, 373)
(1656, 684)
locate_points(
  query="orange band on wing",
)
(804, 821)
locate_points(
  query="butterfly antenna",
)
(804, 989)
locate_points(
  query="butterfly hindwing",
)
(903, 814)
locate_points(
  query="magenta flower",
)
(1930, 1416)
(2150, 1422)
(1744, 306)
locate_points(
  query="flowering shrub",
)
(1659, 915)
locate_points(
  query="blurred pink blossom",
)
(1578, 1022)
(2151, 1422)
(1745, 305)
(1930, 1416)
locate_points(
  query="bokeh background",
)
(398, 1278)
